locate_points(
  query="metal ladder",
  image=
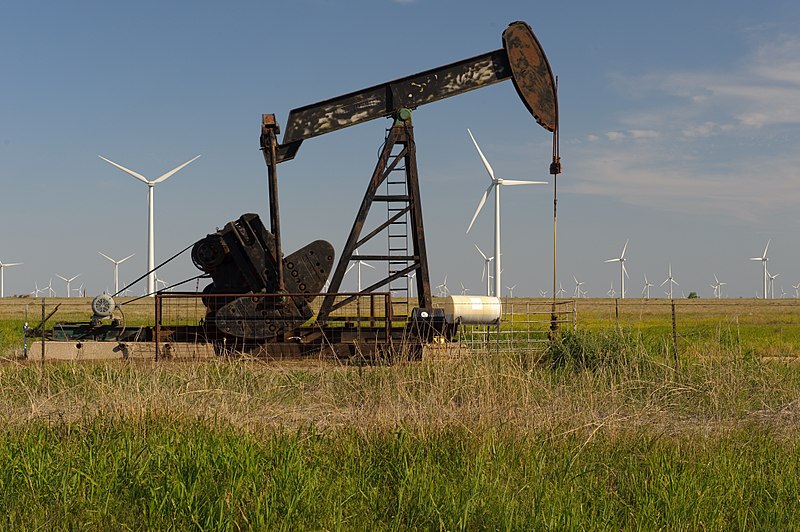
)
(397, 236)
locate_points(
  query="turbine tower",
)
(151, 260)
(116, 269)
(763, 258)
(623, 273)
(496, 183)
(2, 275)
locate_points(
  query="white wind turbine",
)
(796, 290)
(763, 258)
(772, 284)
(3, 267)
(464, 289)
(68, 281)
(717, 286)
(622, 271)
(510, 290)
(410, 277)
(646, 289)
(611, 292)
(487, 271)
(151, 260)
(496, 183)
(577, 293)
(358, 264)
(116, 269)
(443, 290)
(671, 281)
(561, 291)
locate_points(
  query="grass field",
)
(598, 432)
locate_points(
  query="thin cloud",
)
(720, 144)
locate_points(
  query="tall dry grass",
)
(589, 383)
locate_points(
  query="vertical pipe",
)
(42, 331)
(675, 339)
(151, 259)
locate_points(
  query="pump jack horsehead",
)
(521, 59)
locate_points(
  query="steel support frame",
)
(401, 133)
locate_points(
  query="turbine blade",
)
(612, 260)
(480, 206)
(367, 264)
(171, 172)
(622, 256)
(515, 182)
(481, 252)
(485, 162)
(138, 176)
(766, 248)
(624, 270)
(106, 256)
(62, 278)
(126, 258)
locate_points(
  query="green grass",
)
(166, 474)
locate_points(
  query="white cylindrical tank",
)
(472, 310)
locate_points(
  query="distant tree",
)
(693, 295)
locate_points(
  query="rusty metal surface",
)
(240, 260)
(385, 99)
(521, 59)
(532, 75)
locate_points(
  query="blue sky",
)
(679, 132)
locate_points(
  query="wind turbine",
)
(511, 291)
(69, 292)
(763, 258)
(443, 291)
(49, 288)
(646, 289)
(2, 275)
(151, 260)
(410, 277)
(561, 291)
(717, 286)
(543, 293)
(577, 293)
(671, 281)
(359, 263)
(116, 269)
(772, 284)
(796, 290)
(496, 183)
(486, 270)
(464, 289)
(622, 271)
(611, 292)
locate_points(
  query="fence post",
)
(675, 339)
(42, 332)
